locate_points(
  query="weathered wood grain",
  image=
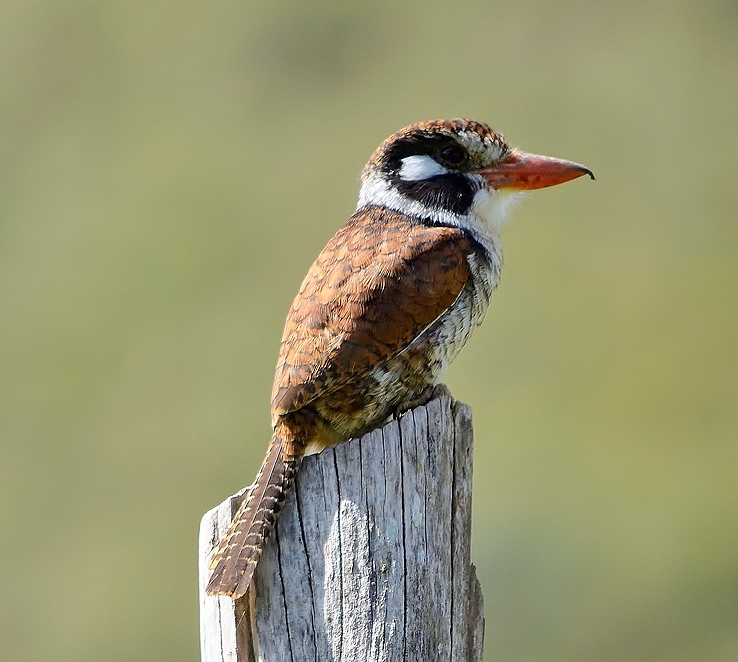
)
(370, 560)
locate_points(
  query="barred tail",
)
(234, 562)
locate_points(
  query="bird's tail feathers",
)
(239, 551)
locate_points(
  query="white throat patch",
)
(417, 167)
(484, 220)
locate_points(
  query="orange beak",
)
(523, 172)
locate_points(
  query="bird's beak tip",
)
(523, 171)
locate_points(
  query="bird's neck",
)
(483, 221)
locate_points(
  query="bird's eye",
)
(453, 155)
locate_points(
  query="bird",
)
(386, 306)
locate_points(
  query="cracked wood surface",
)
(370, 560)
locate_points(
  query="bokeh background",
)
(169, 170)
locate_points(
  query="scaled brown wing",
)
(377, 284)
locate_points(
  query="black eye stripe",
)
(452, 192)
(432, 145)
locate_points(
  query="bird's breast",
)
(430, 354)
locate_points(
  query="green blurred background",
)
(169, 171)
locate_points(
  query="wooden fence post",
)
(370, 560)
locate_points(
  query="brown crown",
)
(452, 126)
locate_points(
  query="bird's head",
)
(456, 172)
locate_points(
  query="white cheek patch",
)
(420, 166)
